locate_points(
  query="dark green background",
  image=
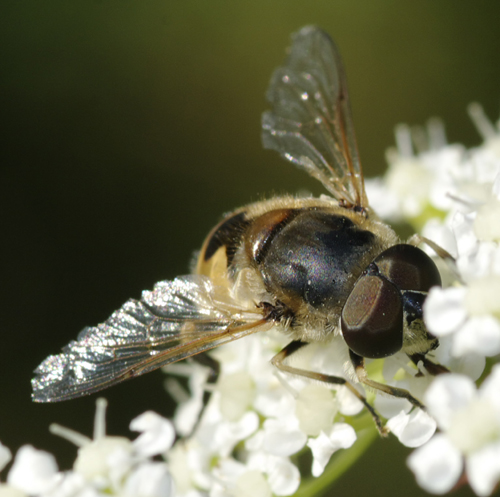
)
(129, 127)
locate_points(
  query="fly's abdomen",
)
(219, 248)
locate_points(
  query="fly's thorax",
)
(305, 254)
(310, 258)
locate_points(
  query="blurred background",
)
(130, 126)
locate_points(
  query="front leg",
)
(279, 361)
(431, 367)
(359, 366)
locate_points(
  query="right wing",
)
(178, 319)
(310, 123)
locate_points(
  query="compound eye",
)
(409, 268)
(372, 318)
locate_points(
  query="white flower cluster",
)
(256, 420)
(105, 465)
(453, 195)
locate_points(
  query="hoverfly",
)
(313, 267)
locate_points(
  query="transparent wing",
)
(178, 319)
(310, 123)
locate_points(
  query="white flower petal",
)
(150, 479)
(255, 442)
(5, 456)
(482, 292)
(282, 440)
(230, 469)
(217, 490)
(479, 335)
(382, 200)
(315, 409)
(34, 471)
(8, 491)
(188, 464)
(485, 159)
(226, 435)
(444, 310)
(483, 469)
(437, 465)
(341, 436)
(474, 426)
(442, 235)
(471, 365)
(252, 484)
(349, 404)
(486, 225)
(187, 415)
(491, 386)
(283, 476)
(467, 242)
(414, 429)
(157, 434)
(237, 392)
(117, 464)
(272, 401)
(411, 182)
(188, 407)
(446, 394)
(480, 263)
(72, 485)
(496, 187)
(95, 459)
(322, 449)
(391, 406)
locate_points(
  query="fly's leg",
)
(279, 361)
(359, 366)
(433, 368)
(443, 254)
(440, 251)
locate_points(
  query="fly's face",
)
(383, 313)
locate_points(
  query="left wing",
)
(178, 319)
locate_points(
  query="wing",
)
(178, 319)
(310, 123)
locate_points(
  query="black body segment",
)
(316, 257)
(265, 229)
(228, 233)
